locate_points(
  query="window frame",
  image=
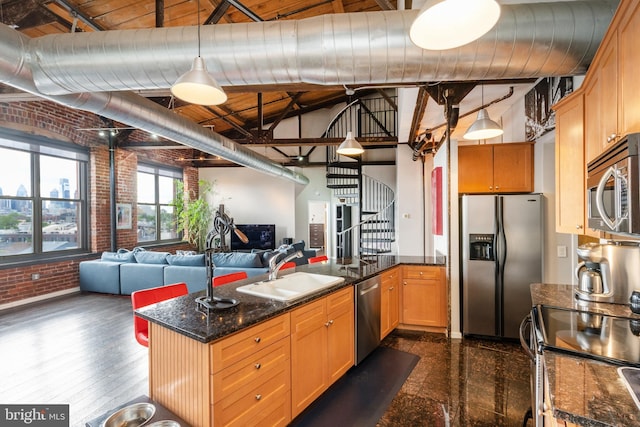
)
(157, 171)
(37, 146)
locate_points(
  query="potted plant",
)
(193, 213)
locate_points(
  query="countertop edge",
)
(255, 310)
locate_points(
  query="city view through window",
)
(42, 193)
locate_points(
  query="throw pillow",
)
(186, 260)
(237, 259)
(150, 257)
(120, 256)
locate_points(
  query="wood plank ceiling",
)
(246, 108)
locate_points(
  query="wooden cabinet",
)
(629, 69)
(316, 235)
(424, 296)
(570, 166)
(322, 346)
(612, 88)
(252, 376)
(389, 301)
(495, 168)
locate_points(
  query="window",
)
(43, 197)
(156, 191)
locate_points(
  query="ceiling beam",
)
(372, 141)
(244, 9)
(81, 16)
(418, 114)
(385, 5)
(159, 13)
(217, 13)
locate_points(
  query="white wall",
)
(252, 197)
(411, 207)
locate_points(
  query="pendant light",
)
(483, 127)
(197, 86)
(447, 24)
(350, 146)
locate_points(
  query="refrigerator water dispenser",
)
(481, 247)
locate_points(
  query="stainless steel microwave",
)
(613, 184)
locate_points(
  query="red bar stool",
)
(228, 278)
(318, 259)
(150, 296)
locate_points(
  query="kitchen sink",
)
(291, 286)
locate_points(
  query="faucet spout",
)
(275, 268)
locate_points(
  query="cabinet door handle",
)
(491, 187)
(579, 226)
(258, 366)
(391, 288)
(404, 283)
(257, 339)
(497, 188)
(329, 323)
(258, 396)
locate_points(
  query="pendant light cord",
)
(198, 28)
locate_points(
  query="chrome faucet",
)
(274, 268)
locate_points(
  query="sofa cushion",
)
(120, 256)
(186, 260)
(151, 257)
(237, 259)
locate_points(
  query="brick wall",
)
(60, 123)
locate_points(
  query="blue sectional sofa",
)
(125, 271)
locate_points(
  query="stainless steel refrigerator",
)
(501, 246)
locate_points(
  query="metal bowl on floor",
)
(134, 415)
(165, 423)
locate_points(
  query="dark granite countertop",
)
(185, 316)
(583, 391)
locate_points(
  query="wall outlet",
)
(562, 251)
(35, 276)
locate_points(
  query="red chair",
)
(228, 278)
(150, 296)
(318, 259)
(286, 265)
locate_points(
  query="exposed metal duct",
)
(134, 110)
(530, 40)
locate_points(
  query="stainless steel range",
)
(597, 336)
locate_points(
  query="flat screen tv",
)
(261, 236)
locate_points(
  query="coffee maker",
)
(607, 272)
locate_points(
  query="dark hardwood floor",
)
(80, 350)
(77, 350)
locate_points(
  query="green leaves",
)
(193, 213)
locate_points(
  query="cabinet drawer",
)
(267, 403)
(421, 272)
(252, 369)
(230, 350)
(390, 275)
(341, 300)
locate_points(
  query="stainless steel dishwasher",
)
(367, 317)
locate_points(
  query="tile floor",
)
(469, 382)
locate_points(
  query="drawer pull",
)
(258, 366)
(258, 396)
(391, 288)
(257, 339)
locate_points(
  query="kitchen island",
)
(582, 391)
(262, 359)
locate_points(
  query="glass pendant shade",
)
(447, 24)
(350, 146)
(483, 127)
(197, 86)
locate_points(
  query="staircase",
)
(373, 201)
